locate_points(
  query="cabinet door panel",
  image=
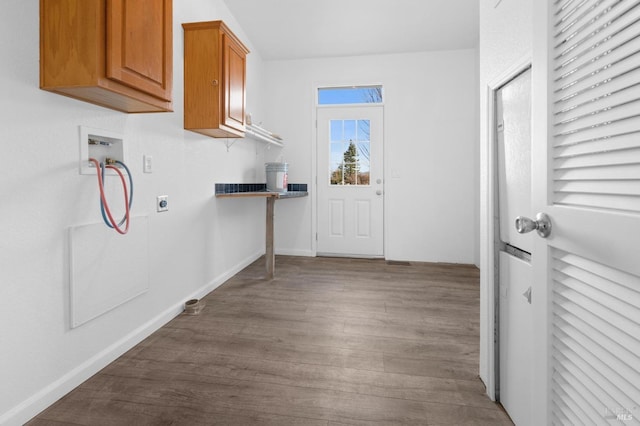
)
(202, 74)
(139, 37)
(234, 85)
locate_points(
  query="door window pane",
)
(349, 152)
(363, 163)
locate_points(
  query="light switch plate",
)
(147, 163)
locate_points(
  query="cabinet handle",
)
(215, 82)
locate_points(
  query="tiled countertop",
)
(294, 190)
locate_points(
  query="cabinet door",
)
(235, 76)
(139, 45)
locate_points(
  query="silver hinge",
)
(316, 236)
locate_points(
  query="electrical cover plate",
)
(100, 144)
(162, 203)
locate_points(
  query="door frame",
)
(541, 131)
(493, 236)
(314, 156)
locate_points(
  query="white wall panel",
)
(191, 248)
(106, 269)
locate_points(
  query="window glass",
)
(349, 152)
(350, 95)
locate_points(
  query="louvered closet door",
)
(588, 180)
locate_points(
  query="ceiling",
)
(296, 29)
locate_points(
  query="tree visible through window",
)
(350, 142)
(350, 147)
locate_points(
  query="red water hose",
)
(104, 199)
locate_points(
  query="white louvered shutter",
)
(594, 175)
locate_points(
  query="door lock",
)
(542, 225)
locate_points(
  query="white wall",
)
(193, 247)
(505, 44)
(431, 140)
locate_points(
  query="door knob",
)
(379, 192)
(542, 225)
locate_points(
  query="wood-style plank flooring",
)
(328, 342)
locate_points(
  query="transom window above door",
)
(350, 95)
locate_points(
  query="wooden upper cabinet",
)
(214, 80)
(113, 53)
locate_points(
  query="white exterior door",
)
(350, 181)
(586, 177)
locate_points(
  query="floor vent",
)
(398, 263)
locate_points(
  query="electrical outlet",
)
(162, 203)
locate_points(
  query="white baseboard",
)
(293, 252)
(38, 402)
(218, 281)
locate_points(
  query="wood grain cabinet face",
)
(214, 80)
(114, 53)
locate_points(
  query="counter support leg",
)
(269, 252)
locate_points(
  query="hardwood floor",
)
(327, 342)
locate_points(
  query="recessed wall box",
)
(100, 144)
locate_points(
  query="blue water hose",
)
(104, 216)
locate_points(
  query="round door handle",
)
(542, 225)
(379, 192)
(214, 82)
